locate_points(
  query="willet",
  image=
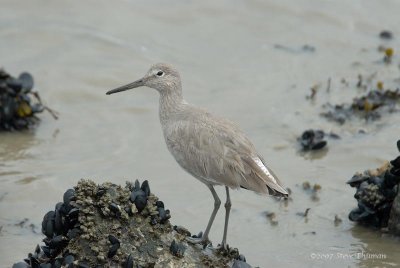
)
(210, 148)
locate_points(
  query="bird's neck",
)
(171, 101)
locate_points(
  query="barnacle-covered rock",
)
(375, 194)
(106, 226)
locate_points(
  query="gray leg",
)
(228, 206)
(217, 203)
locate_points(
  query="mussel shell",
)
(363, 207)
(100, 192)
(140, 202)
(68, 196)
(199, 235)
(136, 193)
(389, 193)
(20, 265)
(58, 241)
(48, 224)
(160, 204)
(129, 262)
(240, 264)
(83, 265)
(241, 258)
(58, 263)
(390, 180)
(376, 180)
(58, 222)
(146, 187)
(14, 84)
(153, 220)
(37, 108)
(113, 250)
(308, 135)
(73, 213)
(358, 215)
(356, 180)
(46, 251)
(137, 185)
(115, 208)
(69, 259)
(26, 81)
(7, 108)
(113, 240)
(396, 162)
(73, 233)
(395, 171)
(319, 145)
(128, 210)
(177, 249)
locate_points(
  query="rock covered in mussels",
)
(112, 226)
(315, 139)
(18, 103)
(312, 140)
(375, 193)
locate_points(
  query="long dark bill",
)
(137, 83)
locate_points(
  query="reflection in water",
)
(27, 180)
(15, 146)
(314, 155)
(375, 248)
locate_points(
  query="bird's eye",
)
(160, 73)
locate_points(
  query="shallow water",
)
(230, 64)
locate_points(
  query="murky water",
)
(230, 63)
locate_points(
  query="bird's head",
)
(161, 76)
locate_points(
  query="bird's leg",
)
(228, 206)
(204, 238)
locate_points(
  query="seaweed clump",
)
(369, 106)
(112, 226)
(18, 103)
(375, 193)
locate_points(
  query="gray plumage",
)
(212, 149)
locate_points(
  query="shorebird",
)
(210, 148)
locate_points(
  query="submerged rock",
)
(375, 194)
(112, 226)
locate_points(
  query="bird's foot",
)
(223, 247)
(199, 239)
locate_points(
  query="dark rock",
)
(386, 35)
